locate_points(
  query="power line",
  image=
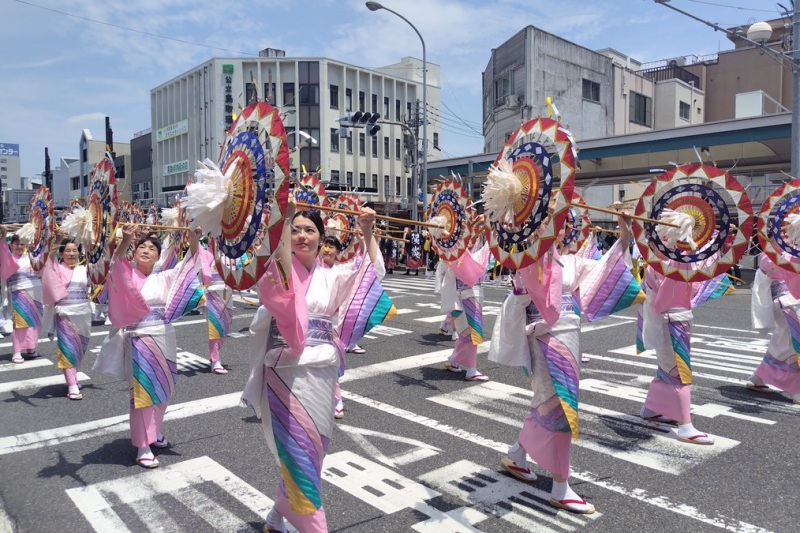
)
(730, 7)
(453, 128)
(117, 26)
(432, 112)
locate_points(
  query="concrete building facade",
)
(90, 152)
(9, 166)
(192, 112)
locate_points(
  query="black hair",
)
(151, 238)
(65, 242)
(332, 241)
(14, 239)
(316, 219)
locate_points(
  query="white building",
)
(192, 112)
(9, 166)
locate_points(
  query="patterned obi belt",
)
(156, 316)
(76, 294)
(533, 314)
(320, 331)
(20, 276)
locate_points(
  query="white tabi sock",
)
(517, 454)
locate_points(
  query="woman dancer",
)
(296, 359)
(219, 312)
(25, 288)
(144, 303)
(66, 287)
(467, 317)
(539, 330)
(775, 305)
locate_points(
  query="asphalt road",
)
(419, 447)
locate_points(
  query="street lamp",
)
(758, 34)
(375, 6)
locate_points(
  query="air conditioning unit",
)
(512, 100)
(677, 61)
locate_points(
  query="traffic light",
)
(372, 126)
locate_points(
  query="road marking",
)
(419, 450)
(33, 363)
(697, 362)
(98, 501)
(488, 310)
(189, 361)
(110, 425)
(638, 395)
(651, 445)
(595, 327)
(406, 311)
(37, 383)
(662, 502)
(653, 367)
(389, 492)
(514, 501)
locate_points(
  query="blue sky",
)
(59, 73)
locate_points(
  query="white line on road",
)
(33, 363)
(37, 382)
(661, 502)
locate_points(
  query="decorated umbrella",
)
(130, 214)
(534, 171)
(39, 232)
(779, 226)
(578, 225)
(228, 200)
(151, 217)
(175, 221)
(448, 208)
(713, 217)
(344, 226)
(102, 213)
(310, 190)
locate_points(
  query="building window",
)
(397, 185)
(335, 176)
(397, 109)
(397, 149)
(334, 140)
(374, 145)
(3, 160)
(269, 93)
(386, 147)
(288, 94)
(75, 183)
(386, 107)
(361, 100)
(408, 110)
(386, 185)
(291, 138)
(309, 93)
(502, 88)
(591, 90)
(3, 168)
(374, 103)
(362, 144)
(362, 180)
(349, 179)
(349, 142)
(684, 110)
(250, 96)
(375, 182)
(641, 109)
(334, 97)
(348, 99)
(409, 192)
(436, 140)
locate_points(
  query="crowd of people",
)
(298, 342)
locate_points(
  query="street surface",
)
(419, 447)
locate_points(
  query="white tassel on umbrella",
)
(793, 229)
(439, 220)
(207, 197)
(26, 234)
(500, 192)
(169, 216)
(78, 224)
(334, 227)
(671, 236)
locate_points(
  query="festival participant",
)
(219, 312)
(25, 288)
(413, 252)
(65, 285)
(539, 330)
(468, 271)
(389, 251)
(142, 304)
(296, 360)
(445, 287)
(775, 306)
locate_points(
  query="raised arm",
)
(365, 222)
(128, 231)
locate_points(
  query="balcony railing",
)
(671, 72)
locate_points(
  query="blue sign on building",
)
(9, 149)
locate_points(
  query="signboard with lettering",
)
(9, 149)
(173, 130)
(176, 167)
